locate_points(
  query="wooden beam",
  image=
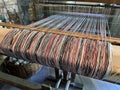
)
(18, 82)
(67, 33)
(22, 83)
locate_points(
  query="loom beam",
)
(115, 55)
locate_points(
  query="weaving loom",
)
(76, 43)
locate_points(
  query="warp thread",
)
(83, 56)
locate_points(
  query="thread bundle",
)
(83, 56)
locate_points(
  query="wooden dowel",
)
(67, 33)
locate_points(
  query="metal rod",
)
(58, 83)
(83, 4)
(68, 85)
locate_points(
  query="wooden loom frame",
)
(24, 84)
